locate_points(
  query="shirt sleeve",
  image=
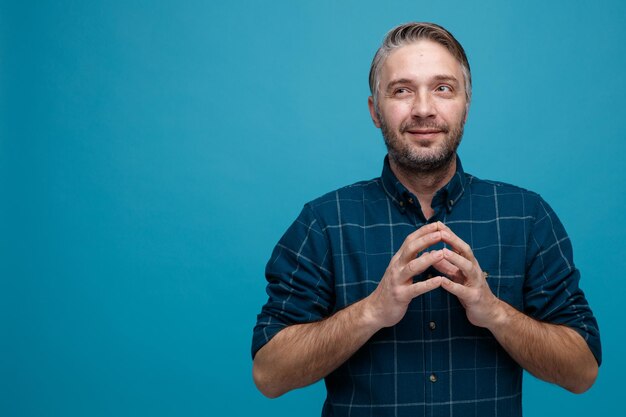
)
(299, 280)
(551, 289)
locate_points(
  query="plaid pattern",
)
(433, 362)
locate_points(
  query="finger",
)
(457, 243)
(411, 248)
(468, 268)
(424, 230)
(461, 291)
(449, 270)
(445, 267)
(423, 287)
(420, 264)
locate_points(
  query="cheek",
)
(395, 114)
(453, 113)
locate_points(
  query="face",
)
(421, 106)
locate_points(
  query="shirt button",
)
(410, 201)
(432, 325)
(451, 202)
(432, 378)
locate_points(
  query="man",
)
(425, 291)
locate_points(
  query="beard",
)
(419, 159)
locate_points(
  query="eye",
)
(401, 91)
(444, 88)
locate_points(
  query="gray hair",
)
(412, 32)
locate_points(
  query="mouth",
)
(424, 133)
(423, 130)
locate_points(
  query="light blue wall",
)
(152, 153)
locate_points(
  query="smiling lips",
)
(424, 132)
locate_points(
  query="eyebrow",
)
(439, 78)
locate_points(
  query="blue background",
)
(153, 152)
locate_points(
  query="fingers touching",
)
(418, 241)
(459, 246)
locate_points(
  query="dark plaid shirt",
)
(433, 362)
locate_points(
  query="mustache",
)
(424, 124)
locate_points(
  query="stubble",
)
(417, 159)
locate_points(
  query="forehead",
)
(421, 59)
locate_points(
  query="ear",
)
(370, 104)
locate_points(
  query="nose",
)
(423, 106)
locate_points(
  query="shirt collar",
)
(447, 196)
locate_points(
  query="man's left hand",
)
(554, 353)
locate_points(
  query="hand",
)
(390, 300)
(467, 281)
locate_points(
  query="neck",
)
(424, 185)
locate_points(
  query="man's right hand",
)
(389, 302)
(301, 354)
